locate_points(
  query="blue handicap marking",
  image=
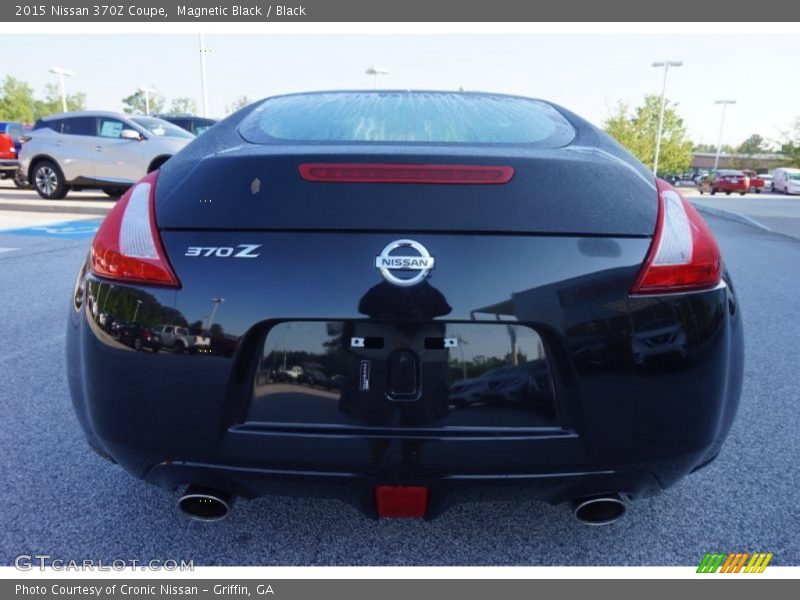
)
(69, 230)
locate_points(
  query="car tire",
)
(727, 193)
(742, 193)
(20, 182)
(178, 347)
(713, 191)
(758, 190)
(48, 181)
(702, 192)
(156, 349)
(114, 192)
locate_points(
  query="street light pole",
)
(375, 71)
(721, 124)
(61, 74)
(203, 79)
(666, 64)
(147, 91)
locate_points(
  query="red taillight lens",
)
(401, 501)
(127, 246)
(400, 173)
(684, 255)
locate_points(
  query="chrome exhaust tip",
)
(205, 504)
(600, 510)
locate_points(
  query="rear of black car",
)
(403, 310)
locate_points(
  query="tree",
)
(183, 105)
(791, 145)
(135, 103)
(238, 104)
(636, 129)
(16, 101)
(755, 144)
(52, 101)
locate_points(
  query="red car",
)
(725, 181)
(757, 182)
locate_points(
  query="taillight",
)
(406, 173)
(683, 255)
(127, 246)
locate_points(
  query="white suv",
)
(93, 149)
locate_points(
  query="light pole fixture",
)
(61, 72)
(375, 70)
(147, 91)
(721, 125)
(666, 64)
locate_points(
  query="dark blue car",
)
(456, 287)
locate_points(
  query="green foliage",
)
(18, 103)
(135, 103)
(755, 144)
(636, 129)
(183, 104)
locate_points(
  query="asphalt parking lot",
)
(59, 498)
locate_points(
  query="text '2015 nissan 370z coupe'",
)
(404, 300)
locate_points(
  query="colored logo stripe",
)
(734, 562)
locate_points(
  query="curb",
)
(731, 216)
(56, 208)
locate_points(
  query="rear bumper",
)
(623, 426)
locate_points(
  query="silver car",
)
(96, 149)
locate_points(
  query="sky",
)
(586, 73)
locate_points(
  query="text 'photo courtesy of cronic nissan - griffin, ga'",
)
(398, 298)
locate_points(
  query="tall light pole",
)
(215, 305)
(147, 91)
(375, 70)
(61, 74)
(666, 64)
(721, 124)
(203, 79)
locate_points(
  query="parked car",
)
(175, 337)
(139, 337)
(90, 149)
(757, 182)
(786, 180)
(361, 230)
(192, 123)
(12, 135)
(728, 181)
(768, 184)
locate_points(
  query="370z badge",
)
(240, 251)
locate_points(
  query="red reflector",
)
(399, 173)
(401, 501)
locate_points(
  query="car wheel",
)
(701, 192)
(178, 347)
(48, 180)
(741, 193)
(758, 190)
(713, 191)
(137, 344)
(727, 193)
(156, 349)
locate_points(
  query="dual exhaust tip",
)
(208, 504)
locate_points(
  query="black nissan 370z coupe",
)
(405, 300)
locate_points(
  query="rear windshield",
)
(406, 117)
